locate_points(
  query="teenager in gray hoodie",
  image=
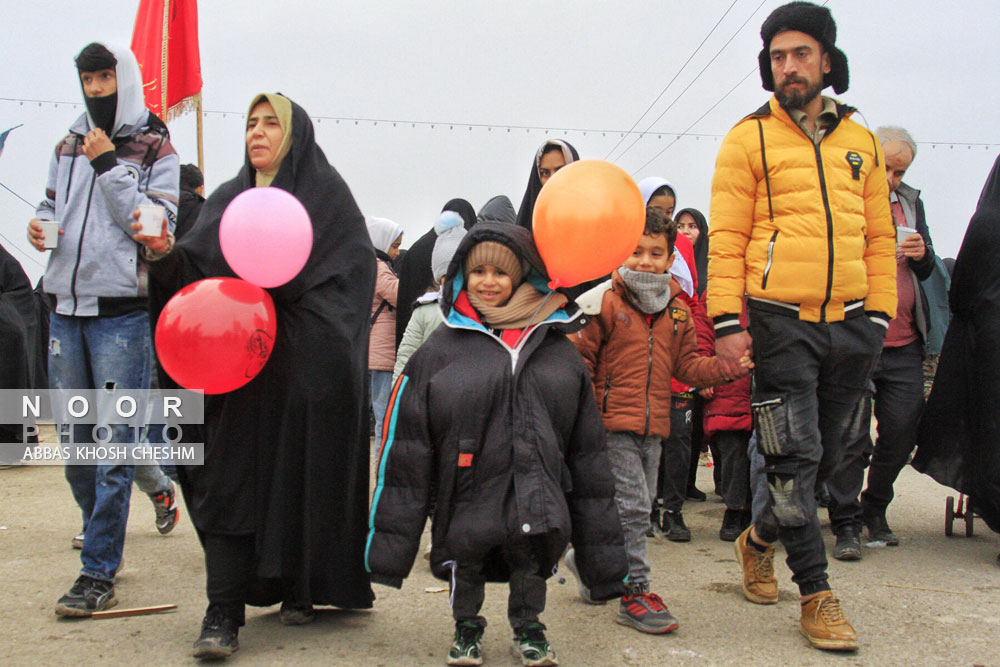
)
(116, 157)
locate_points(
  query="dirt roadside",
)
(933, 600)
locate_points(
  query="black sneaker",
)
(674, 527)
(879, 533)
(296, 614)
(693, 493)
(732, 525)
(467, 647)
(823, 498)
(218, 636)
(87, 596)
(646, 612)
(532, 647)
(654, 524)
(848, 546)
(165, 504)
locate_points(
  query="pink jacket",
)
(382, 344)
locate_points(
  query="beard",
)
(796, 99)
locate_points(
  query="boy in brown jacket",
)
(639, 336)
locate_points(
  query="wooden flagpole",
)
(201, 147)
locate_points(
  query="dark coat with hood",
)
(20, 341)
(287, 455)
(414, 268)
(507, 443)
(958, 443)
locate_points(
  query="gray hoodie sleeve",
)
(123, 193)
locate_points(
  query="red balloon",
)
(588, 219)
(216, 334)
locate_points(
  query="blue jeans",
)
(381, 388)
(90, 353)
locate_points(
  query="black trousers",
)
(808, 384)
(734, 465)
(229, 567)
(527, 588)
(898, 389)
(675, 458)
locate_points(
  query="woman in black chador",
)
(959, 438)
(280, 504)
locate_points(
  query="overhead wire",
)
(11, 243)
(698, 120)
(692, 82)
(671, 82)
(400, 123)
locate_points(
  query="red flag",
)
(165, 42)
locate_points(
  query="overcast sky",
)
(585, 70)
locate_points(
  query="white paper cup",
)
(903, 233)
(51, 230)
(151, 219)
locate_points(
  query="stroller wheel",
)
(949, 515)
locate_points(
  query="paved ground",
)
(933, 600)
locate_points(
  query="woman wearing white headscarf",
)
(386, 236)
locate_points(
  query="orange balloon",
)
(588, 219)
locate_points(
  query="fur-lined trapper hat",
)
(815, 21)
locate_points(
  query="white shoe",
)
(570, 560)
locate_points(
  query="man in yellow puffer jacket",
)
(800, 223)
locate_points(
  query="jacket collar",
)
(908, 193)
(773, 107)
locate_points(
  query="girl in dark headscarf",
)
(959, 438)
(280, 503)
(414, 269)
(550, 157)
(692, 223)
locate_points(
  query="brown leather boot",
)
(759, 584)
(824, 624)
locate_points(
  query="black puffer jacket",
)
(507, 443)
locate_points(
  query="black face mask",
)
(102, 111)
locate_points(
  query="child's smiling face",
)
(492, 285)
(652, 255)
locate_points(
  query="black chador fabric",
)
(286, 456)
(19, 344)
(414, 271)
(700, 246)
(959, 438)
(527, 209)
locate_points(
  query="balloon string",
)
(524, 331)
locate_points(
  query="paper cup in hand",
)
(903, 233)
(151, 219)
(51, 230)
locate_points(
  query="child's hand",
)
(746, 362)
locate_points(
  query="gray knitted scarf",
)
(650, 292)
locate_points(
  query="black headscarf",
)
(535, 181)
(959, 437)
(287, 455)
(414, 269)
(700, 246)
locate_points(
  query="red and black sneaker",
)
(165, 504)
(646, 612)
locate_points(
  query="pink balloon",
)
(266, 236)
